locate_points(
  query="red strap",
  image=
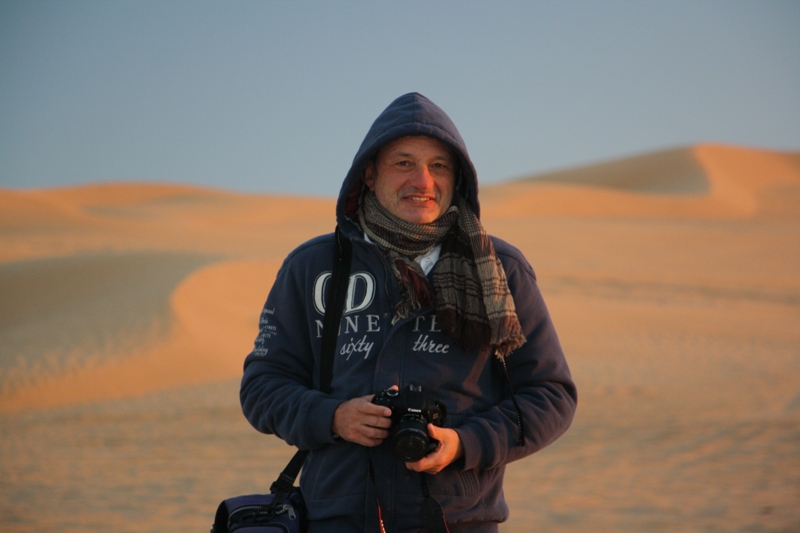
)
(380, 517)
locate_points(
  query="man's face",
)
(413, 178)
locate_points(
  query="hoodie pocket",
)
(453, 482)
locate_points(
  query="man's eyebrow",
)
(445, 157)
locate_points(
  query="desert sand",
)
(673, 279)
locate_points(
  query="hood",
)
(410, 114)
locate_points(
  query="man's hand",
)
(361, 421)
(448, 450)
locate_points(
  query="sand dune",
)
(706, 181)
(123, 218)
(672, 277)
(96, 281)
(670, 172)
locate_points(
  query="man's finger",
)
(369, 408)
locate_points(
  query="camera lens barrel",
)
(411, 440)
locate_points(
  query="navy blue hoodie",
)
(280, 387)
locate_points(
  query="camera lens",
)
(411, 441)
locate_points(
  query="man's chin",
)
(421, 214)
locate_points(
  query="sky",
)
(276, 96)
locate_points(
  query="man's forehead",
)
(412, 145)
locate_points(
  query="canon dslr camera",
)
(412, 410)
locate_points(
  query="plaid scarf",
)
(473, 303)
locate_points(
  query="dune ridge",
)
(704, 181)
(669, 172)
(63, 314)
(96, 276)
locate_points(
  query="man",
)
(433, 302)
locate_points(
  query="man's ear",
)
(369, 175)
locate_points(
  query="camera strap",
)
(340, 281)
(333, 314)
(432, 515)
(381, 527)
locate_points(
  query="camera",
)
(412, 410)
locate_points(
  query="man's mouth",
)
(419, 199)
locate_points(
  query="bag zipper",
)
(254, 511)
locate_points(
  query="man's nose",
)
(422, 178)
